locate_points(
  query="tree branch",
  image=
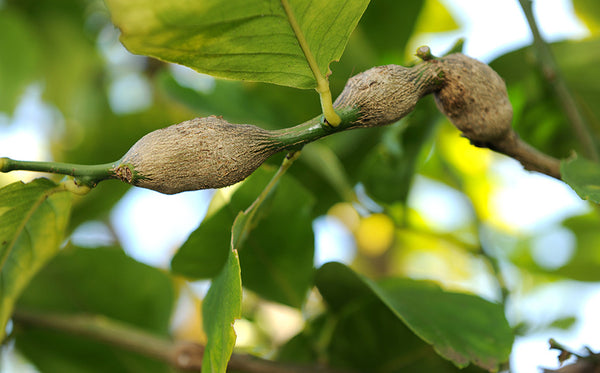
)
(531, 159)
(212, 153)
(551, 72)
(179, 354)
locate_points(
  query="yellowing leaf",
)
(435, 17)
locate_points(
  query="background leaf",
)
(34, 218)
(538, 117)
(239, 39)
(388, 170)
(206, 250)
(462, 328)
(277, 255)
(583, 176)
(102, 281)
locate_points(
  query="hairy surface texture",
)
(196, 154)
(385, 94)
(474, 98)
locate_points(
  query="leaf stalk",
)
(322, 83)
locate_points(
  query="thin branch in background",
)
(550, 70)
(181, 355)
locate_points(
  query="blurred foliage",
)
(95, 281)
(589, 12)
(365, 179)
(537, 115)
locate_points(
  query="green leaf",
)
(325, 164)
(387, 172)
(278, 252)
(435, 17)
(265, 105)
(221, 307)
(239, 39)
(462, 328)
(368, 337)
(206, 250)
(387, 27)
(34, 218)
(102, 281)
(583, 176)
(538, 117)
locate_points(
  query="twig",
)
(550, 70)
(531, 159)
(377, 97)
(182, 355)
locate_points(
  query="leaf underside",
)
(239, 39)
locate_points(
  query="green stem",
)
(555, 345)
(314, 129)
(322, 83)
(551, 72)
(88, 175)
(285, 165)
(244, 221)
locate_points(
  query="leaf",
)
(435, 17)
(239, 39)
(265, 105)
(368, 337)
(325, 164)
(221, 307)
(388, 26)
(462, 328)
(101, 281)
(538, 117)
(583, 176)
(206, 250)
(387, 172)
(34, 218)
(278, 251)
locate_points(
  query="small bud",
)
(475, 100)
(196, 154)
